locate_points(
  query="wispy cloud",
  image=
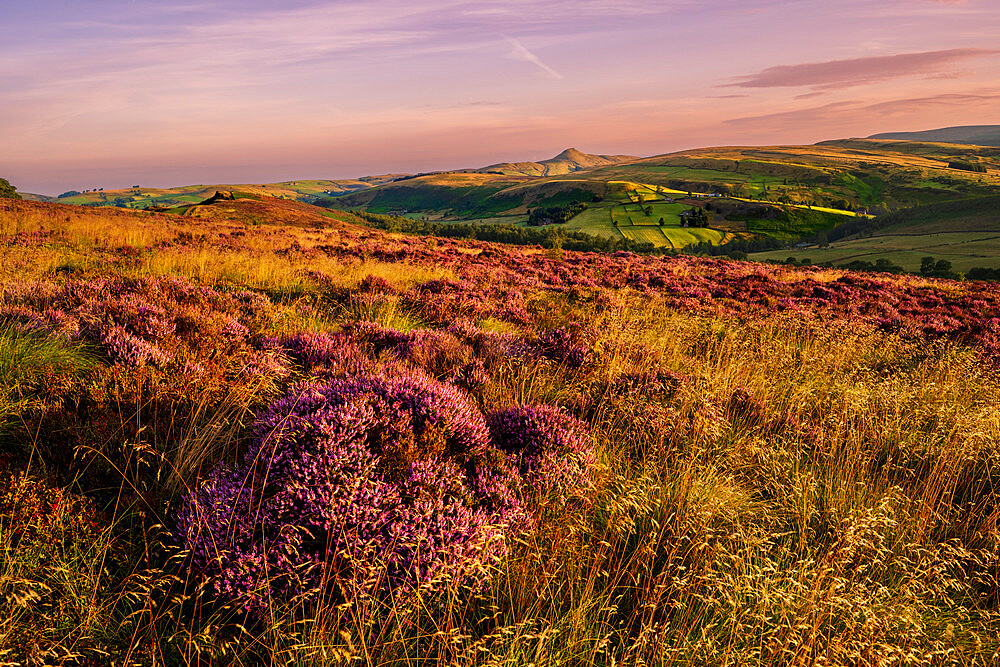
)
(520, 52)
(853, 110)
(839, 74)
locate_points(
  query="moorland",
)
(259, 431)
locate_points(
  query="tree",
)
(8, 191)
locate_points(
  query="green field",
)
(645, 234)
(643, 228)
(595, 220)
(963, 249)
(966, 233)
(633, 223)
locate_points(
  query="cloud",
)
(520, 52)
(947, 99)
(838, 74)
(850, 111)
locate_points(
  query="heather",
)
(261, 434)
(370, 488)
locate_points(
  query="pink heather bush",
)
(145, 321)
(565, 344)
(551, 449)
(369, 487)
(321, 353)
(440, 354)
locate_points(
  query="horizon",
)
(225, 93)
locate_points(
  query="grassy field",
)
(964, 232)
(646, 234)
(594, 220)
(963, 249)
(764, 486)
(633, 223)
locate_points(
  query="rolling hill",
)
(785, 192)
(781, 191)
(567, 162)
(142, 197)
(980, 135)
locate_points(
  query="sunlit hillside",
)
(783, 192)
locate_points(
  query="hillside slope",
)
(637, 198)
(980, 135)
(144, 197)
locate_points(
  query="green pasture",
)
(634, 224)
(963, 249)
(646, 234)
(593, 220)
(680, 237)
(635, 214)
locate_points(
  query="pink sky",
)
(111, 93)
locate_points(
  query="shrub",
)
(551, 449)
(8, 191)
(367, 488)
(564, 344)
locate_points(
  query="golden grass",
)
(845, 514)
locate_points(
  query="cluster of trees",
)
(551, 237)
(940, 268)
(983, 273)
(8, 191)
(554, 215)
(737, 248)
(694, 217)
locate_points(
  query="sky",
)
(112, 93)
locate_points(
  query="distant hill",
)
(567, 162)
(976, 135)
(143, 197)
(31, 196)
